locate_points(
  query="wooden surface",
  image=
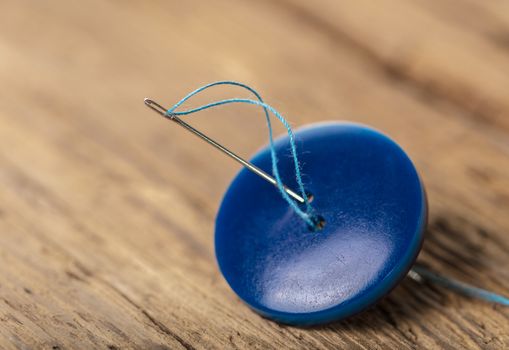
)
(107, 211)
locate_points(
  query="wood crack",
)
(158, 325)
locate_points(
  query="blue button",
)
(375, 211)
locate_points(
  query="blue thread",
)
(305, 215)
(460, 287)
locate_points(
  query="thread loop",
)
(306, 214)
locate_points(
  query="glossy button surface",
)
(370, 195)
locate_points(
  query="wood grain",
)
(107, 213)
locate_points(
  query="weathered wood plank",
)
(453, 51)
(107, 214)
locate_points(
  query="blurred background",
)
(107, 210)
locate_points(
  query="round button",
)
(374, 206)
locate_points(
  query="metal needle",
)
(162, 111)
